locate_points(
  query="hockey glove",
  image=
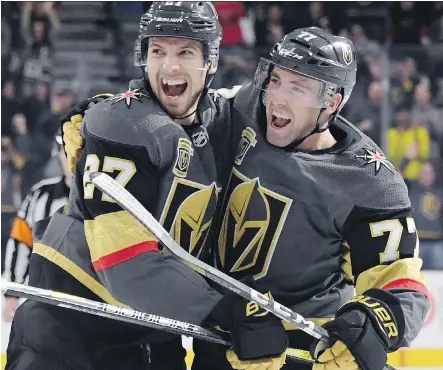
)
(364, 330)
(71, 125)
(258, 337)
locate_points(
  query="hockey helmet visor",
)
(295, 86)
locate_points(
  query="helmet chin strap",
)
(208, 81)
(316, 130)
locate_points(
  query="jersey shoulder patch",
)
(141, 125)
(379, 185)
(130, 118)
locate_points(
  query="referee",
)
(42, 201)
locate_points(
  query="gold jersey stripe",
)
(381, 275)
(76, 271)
(113, 232)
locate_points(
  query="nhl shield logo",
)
(200, 138)
(184, 153)
(247, 140)
(347, 54)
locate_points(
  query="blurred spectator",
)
(425, 114)
(408, 145)
(6, 37)
(367, 116)
(370, 15)
(318, 16)
(10, 106)
(36, 146)
(427, 210)
(270, 31)
(11, 12)
(39, 24)
(305, 14)
(230, 14)
(404, 81)
(363, 46)
(36, 104)
(436, 28)
(409, 20)
(14, 70)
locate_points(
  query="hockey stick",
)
(128, 202)
(127, 315)
(110, 311)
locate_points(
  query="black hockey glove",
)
(364, 330)
(256, 333)
(71, 123)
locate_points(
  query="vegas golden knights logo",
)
(430, 205)
(184, 153)
(247, 140)
(187, 214)
(253, 218)
(347, 53)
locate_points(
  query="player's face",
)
(292, 106)
(176, 71)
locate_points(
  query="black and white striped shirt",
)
(42, 201)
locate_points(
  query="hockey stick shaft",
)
(110, 311)
(127, 315)
(128, 202)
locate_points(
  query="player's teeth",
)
(278, 115)
(174, 82)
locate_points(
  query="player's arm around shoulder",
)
(71, 124)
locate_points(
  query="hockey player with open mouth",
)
(313, 210)
(154, 139)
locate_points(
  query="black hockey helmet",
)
(317, 54)
(196, 20)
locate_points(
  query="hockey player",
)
(45, 198)
(314, 209)
(100, 252)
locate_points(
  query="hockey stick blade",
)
(128, 202)
(110, 311)
(127, 315)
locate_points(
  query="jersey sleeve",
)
(382, 253)
(126, 257)
(18, 247)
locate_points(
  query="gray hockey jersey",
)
(172, 171)
(312, 226)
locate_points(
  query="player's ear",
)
(212, 68)
(334, 103)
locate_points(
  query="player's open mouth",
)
(174, 87)
(279, 120)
